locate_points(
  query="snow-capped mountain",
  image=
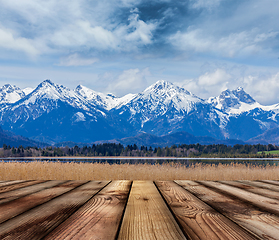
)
(158, 100)
(106, 101)
(43, 99)
(54, 113)
(164, 107)
(52, 93)
(234, 102)
(162, 96)
(27, 90)
(10, 94)
(246, 117)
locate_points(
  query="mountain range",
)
(53, 113)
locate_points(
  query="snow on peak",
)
(95, 98)
(10, 94)
(157, 99)
(239, 89)
(165, 86)
(111, 95)
(107, 101)
(161, 84)
(48, 93)
(168, 91)
(9, 88)
(46, 83)
(28, 90)
(234, 102)
(243, 96)
(160, 97)
(89, 94)
(50, 90)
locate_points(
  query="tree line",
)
(113, 149)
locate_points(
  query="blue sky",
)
(123, 46)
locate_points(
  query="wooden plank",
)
(262, 184)
(268, 184)
(248, 186)
(263, 224)
(13, 208)
(99, 218)
(39, 221)
(18, 185)
(5, 183)
(271, 182)
(147, 216)
(198, 220)
(12, 195)
(264, 203)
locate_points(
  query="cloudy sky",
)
(123, 46)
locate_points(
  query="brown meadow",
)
(104, 171)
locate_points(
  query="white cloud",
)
(209, 84)
(142, 31)
(242, 32)
(122, 38)
(76, 60)
(239, 43)
(214, 78)
(130, 81)
(208, 4)
(43, 12)
(81, 33)
(263, 88)
(130, 3)
(54, 26)
(234, 29)
(192, 40)
(9, 41)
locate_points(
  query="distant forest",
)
(112, 149)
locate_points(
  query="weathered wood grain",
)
(263, 184)
(18, 185)
(264, 203)
(5, 183)
(199, 220)
(13, 208)
(247, 186)
(263, 224)
(96, 210)
(39, 221)
(271, 182)
(99, 218)
(21, 192)
(147, 216)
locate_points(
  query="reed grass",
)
(105, 171)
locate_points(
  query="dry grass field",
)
(104, 171)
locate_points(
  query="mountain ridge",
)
(57, 113)
(13, 140)
(177, 138)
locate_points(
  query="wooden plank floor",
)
(139, 210)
